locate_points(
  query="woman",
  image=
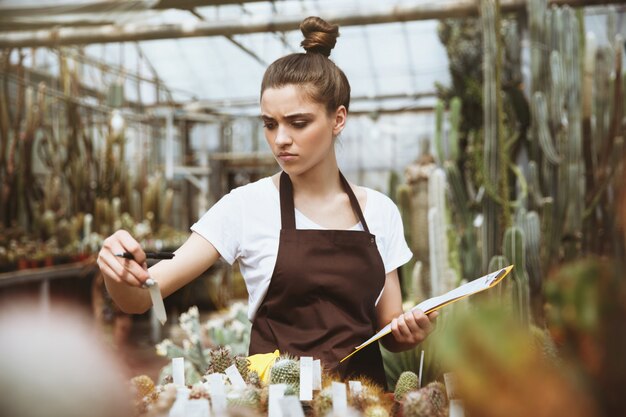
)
(310, 258)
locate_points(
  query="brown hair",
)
(323, 81)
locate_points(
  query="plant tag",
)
(157, 301)
(197, 408)
(456, 409)
(235, 377)
(180, 404)
(419, 378)
(217, 392)
(276, 393)
(355, 387)
(178, 371)
(317, 374)
(340, 399)
(306, 378)
(291, 407)
(450, 381)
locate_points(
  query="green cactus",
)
(455, 122)
(219, 359)
(248, 398)
(439, 110)
(495, 207)
(403, 199)
(514, 249)
(286, 370)
(243, 366)
(408, 381)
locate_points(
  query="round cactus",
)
(143, 384)
(286, 371)
(376, 411)
(408, 381)
(249, 398)
(417, 404)
(436, 392)
(323, 403)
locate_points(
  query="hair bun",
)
(319, 35)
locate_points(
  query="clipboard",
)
(435, 303)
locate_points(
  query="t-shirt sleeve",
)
(396, 251)
(221, 226)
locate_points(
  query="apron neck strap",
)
(287, 208)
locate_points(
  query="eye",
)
(300, 124)
(269, 125)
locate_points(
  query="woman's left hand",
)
(412, 327)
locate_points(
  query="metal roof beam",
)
(107, 6)
(432, 9)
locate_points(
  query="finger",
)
(403, 328)
(395, 331)
(411, 323)
(108, 272)
(433, 317)
(422, 321)
(129, 244)
(121, 272)
(112, 246)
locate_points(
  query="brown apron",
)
(320, 301)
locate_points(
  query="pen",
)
(149, 255)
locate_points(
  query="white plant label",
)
(317, 374)
(178, 371)
(340, 399)
(291, 407)
(355, 387)
(197, 408)
(276, 393)
(306, 378)
(235, 377)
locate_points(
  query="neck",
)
(319, 181)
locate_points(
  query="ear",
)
(340, 116)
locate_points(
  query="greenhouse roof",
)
(211, 54)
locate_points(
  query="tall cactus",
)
(442, 277)
(495, 209)
(514, 249)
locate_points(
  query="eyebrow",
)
(289, 116)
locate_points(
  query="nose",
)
(283, 138)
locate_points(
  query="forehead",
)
(288, 99)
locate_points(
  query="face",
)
(299, 131)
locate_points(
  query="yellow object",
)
(262, 363)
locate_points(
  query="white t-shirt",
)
(244, 225)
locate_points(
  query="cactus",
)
(323, 403)
(455, 122)
(219, 360)
(532, 233)
(514, 250)
(376, 411)
(408, 381)
(442, 277)
(403, 199)
(286, 370)
(427, 402)
(248, 398)
(495, 209)
(143, 385)
(439, 109)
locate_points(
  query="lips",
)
(286, 156)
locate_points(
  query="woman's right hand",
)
(133, 272)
